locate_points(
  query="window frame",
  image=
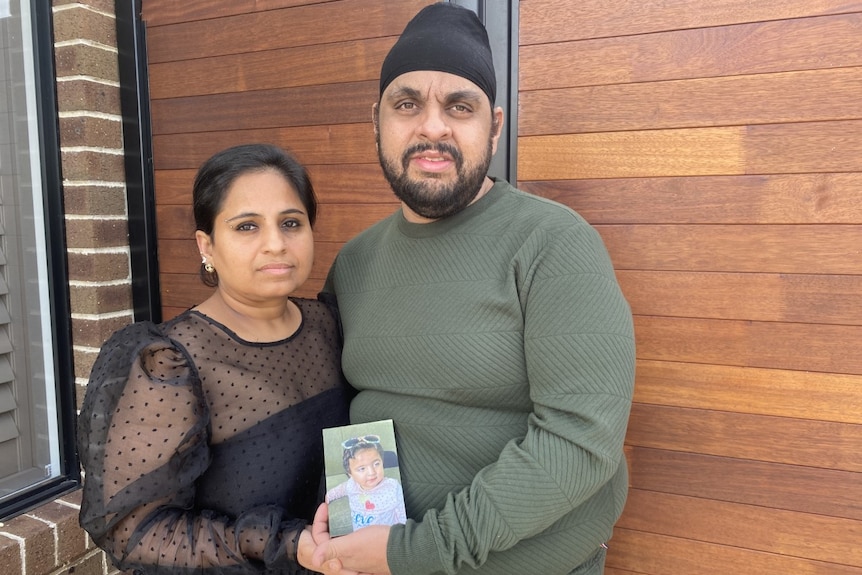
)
(138, 161)
(47, 119)
(500, 18)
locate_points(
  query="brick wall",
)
(48, 540)
(91, 140)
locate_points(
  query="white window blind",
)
(29, 445)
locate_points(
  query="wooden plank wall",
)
(301, 74)
(717, 147)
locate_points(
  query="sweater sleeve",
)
(579, 352)
(143, 444)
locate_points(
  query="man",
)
(488, 324)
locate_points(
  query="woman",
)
(201, 437)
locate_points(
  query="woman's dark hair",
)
(217, 174)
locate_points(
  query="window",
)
(501, 22)
(36, 383)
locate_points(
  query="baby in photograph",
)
(374, 498)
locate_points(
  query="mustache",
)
(440, 147)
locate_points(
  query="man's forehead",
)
(423, 83)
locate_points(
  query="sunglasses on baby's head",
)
(348, 443)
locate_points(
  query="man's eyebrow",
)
(405, 92)
(456, 96)
(465, 96)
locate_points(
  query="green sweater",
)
(500, 344)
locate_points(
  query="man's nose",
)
(434, 124)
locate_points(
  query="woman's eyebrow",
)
(257, 215)
(243, 215)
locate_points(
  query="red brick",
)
(79, 22)
(71, 539)
(86, 60)
(106, 6)
(39, 544)
(93, 333)
(94, 200)
(91, 132)
(88, 95)
(96, 233)
(10, 555)
(72, 498)
(92, 165)
(83, 366)
(80, 391)
(93, 563)
(100, 299)
(99, 267)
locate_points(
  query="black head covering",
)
(445, 38)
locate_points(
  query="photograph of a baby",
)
(372, 490)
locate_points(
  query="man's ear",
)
(375, 118)
(497, 127)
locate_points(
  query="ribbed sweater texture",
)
(499, 342)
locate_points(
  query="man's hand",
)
(363, 550)
(322, 539)
(305, 549)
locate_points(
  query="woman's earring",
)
(207, 266)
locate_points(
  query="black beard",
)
(430, 201)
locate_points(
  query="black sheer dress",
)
(203, 452)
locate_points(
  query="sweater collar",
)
(441, 226)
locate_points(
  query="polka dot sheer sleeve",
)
(144, 439)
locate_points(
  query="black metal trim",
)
(501, 21)
(137, 137)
